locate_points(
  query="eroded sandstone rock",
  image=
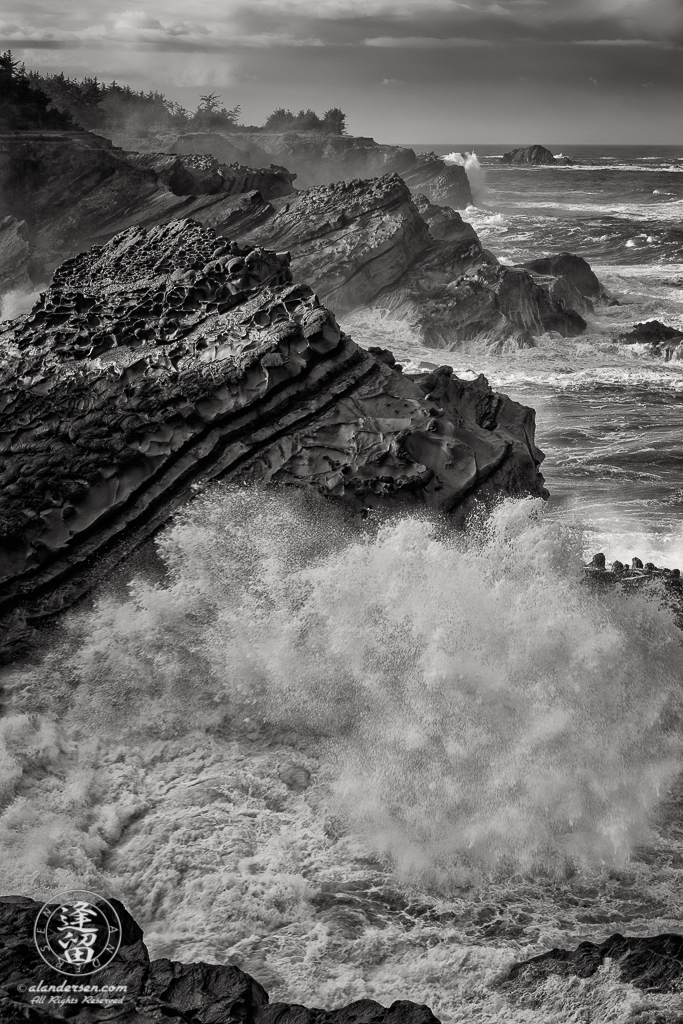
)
(193, 175)
(443, 221)
(74, 190)
(365, 242)
(354, 242)
(319, 158)
(170, 357)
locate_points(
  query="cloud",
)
(137, 29)
(657, 44)
(390, 81)
(426, 42)
(593, 81)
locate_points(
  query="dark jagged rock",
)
(156, 990)
(575, 270)
(654, 963)
(456, 292)
(660, 338)
(349, 240)
(363, 1011)
(569, 280)
(534, 155)
(74, 190)
(363, 242)
(444, 222)
(354, 243)
(637, 573)
(319, 158)
(193, 175)
(632, 578)
(171, 357)
(441, 182)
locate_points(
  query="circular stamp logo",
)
(77, 932)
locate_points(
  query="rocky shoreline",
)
(199, 993)
(155, 990)
(381, 241)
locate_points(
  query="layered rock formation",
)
(354, 242)
(365, 243)
(654, 964)
(319, 158)
(136, 990)
(192, 175)
(171, 357)
(74, 189)
(534, 155)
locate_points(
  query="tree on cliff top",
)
(97, 106)
(333, 121)
(23, 107)
(211, 115)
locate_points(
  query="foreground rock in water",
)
(171, 357)
(635, 575)
(536, 155)
(653, 963)
(319, 158)
(569, 280)
(156, 990)
(660, 339)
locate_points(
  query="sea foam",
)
(471, 703)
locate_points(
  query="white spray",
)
(475, 172)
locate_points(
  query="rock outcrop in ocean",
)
(653, 963)
(660, 339)
(356, 242)
(170, 357)
(154, 990)
(569, 280)
(534, 155)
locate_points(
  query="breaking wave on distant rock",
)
(475, 172)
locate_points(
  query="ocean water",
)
(387, 760)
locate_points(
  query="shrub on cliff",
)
(281, 120)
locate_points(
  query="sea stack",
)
(538, 156)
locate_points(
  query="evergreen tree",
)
(22, 106)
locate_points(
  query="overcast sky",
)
(422, 71)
